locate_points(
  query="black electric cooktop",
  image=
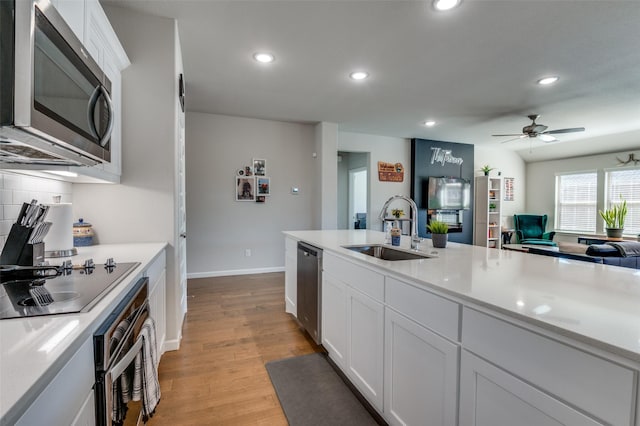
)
(68, 289)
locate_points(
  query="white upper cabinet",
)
(91, 25)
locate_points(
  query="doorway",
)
(353, 190)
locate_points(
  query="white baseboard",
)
(235, 272)
(171, 345)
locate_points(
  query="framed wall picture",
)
(264, 185)
(245, 188)
(508, 189)
(259, 167)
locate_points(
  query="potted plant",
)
(439, 232)
(492, 207)
(614, 219)
(486, 169)
(397, 213)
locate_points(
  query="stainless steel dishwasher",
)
(309, 289)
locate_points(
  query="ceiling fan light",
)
(442, 5)
(547, 138)
(545, 81)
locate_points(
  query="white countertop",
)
(594, 303)
(27, 362)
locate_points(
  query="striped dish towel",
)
(121, 388)
(146, 387)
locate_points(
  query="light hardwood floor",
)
(234, 325)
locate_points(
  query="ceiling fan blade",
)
(571, 130)
(512, 134)
(513, 139)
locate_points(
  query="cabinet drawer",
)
(595, 385)
(362, 279)
(155, 270)
(425, 308)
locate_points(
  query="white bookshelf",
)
(488, 212)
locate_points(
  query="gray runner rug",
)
(311, 393)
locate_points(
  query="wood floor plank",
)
(234, 326)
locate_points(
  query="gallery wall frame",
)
(245, 188)
(259, 166)
(263, 185)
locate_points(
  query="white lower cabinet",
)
(65, 399)
(334, 318)
(421, 374)
(291, 275)
(157, 298)
(490, 396)
(365, 340)
(87, 414)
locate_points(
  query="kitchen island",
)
(477, 336)
(35, 352)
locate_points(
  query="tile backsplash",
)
(16, 189)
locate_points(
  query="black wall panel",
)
(437, 158)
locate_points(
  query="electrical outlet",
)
(247, 252)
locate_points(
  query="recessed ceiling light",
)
(429, 123)
(548, 80)
(263, 57)
(359, 75)
(443, 5)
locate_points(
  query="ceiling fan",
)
(535, 130)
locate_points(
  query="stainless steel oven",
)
(116, 344)
(55, 103)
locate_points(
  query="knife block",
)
(18, 251)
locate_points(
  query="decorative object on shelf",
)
(630, 160)
(181, 91)
(614, 219)
(492, 207)
(397, 213)
(439, 233)
(486, 169)
(82, 234)
(259, 167)
(263, 185)
(390, 172)
(245, 188)
(508, 189)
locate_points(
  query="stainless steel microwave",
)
(55, 102)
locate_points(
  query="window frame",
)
(557, 215)
(631, 205)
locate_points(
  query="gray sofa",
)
(625, 254)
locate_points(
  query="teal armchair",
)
(530, 229)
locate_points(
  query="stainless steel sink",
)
(387, 253)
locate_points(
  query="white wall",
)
(141, 207)
(509, 164)
(326, 145)
(382, 148)
(219, 228)
(541, 182)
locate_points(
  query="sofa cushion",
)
(602, 250)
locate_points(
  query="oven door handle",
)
(122, 365)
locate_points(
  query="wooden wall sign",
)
(390, 172)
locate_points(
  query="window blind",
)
(576, 202)
(625, 185)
